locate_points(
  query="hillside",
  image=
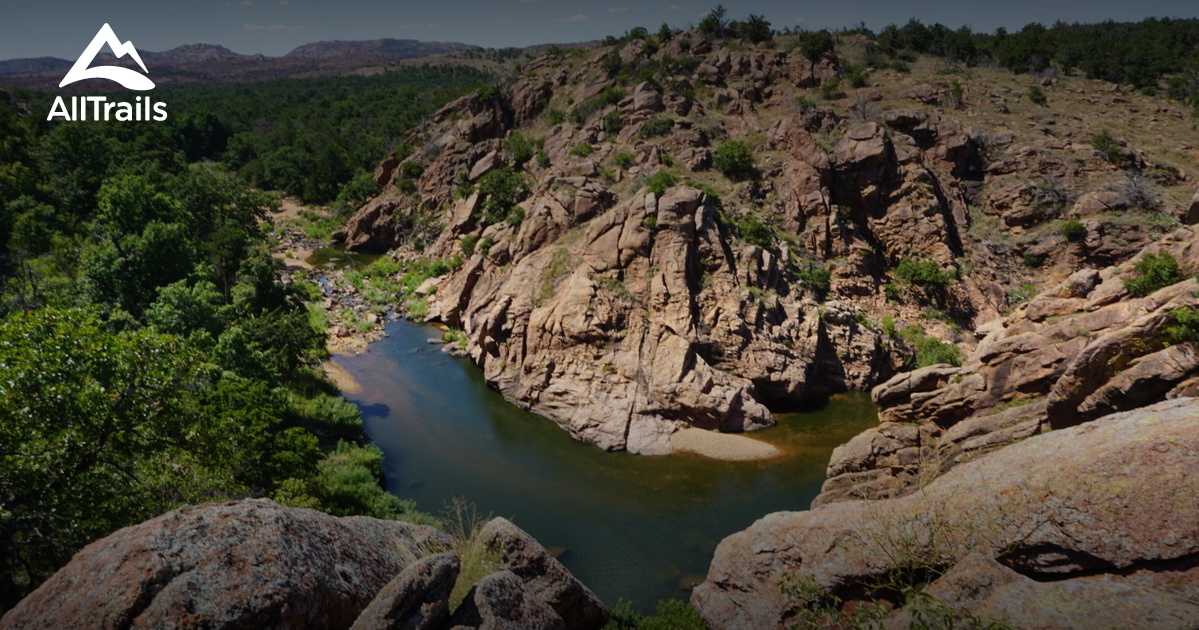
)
(651, 235)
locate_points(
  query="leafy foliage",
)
(1153, 272)
(501, 190)
(735, 159)
(924, 273)
(660, 181)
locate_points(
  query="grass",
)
(462, 520)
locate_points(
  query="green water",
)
(637, 527)
(336, 257)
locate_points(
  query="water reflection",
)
(637, 527)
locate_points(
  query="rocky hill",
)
(656, 235)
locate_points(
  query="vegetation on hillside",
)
(151, 355)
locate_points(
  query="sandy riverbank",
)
(341, 378)
(723, 446)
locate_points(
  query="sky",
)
(62, 28)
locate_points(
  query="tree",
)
(755, 29)
(95, 433)
(715, 23)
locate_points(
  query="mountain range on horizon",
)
(201, 63)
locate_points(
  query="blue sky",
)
(273, 27)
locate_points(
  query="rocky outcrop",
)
(247, 564)
(256, 564)
(1056, 531)
(1081, 351)
(625, 316)
(416, 599)
(545, 577)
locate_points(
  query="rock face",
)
(417, 599)
(624, 316)
(1057, 531)
(545, 577)
(256, 564)
(1081, 351)
(247, 564)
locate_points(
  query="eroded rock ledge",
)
(1075, 353)
(1092, 526)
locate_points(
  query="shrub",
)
(610, 96)
(624, 159)
(660, 181)
(1037, 96)
(932, 351)
(1073, 230)
(925, 273)
(818, 280)
(411, 169)
(1107, 146)
(657, 127)
(582, 150)
(1186, 325)
(755, 232)
(1153, 272)
(613, 122)
(804, 103)
(735, 160)
(555, 116)
(467, 245)
(502, 189)
(831, 88)
(521, 149)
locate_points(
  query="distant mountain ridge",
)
(208, 63)
(402, 48)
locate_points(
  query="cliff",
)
(625, 270)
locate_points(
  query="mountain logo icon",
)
(130, 79)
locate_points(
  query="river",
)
(634, 527)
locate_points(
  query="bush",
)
(411, 169)
(624, 159)
(735, 160)
(1073, 230)
(1186, 325)
(804, 103)
(582, 150)
(755, 232)
(610, 96)
(613, 122)
(924, 273)
(933, 351)
(1153, 272)
(1037, 96)
(1107, 146)
(658, 127)
(671, 614)
(831, 88)
(501, 189)
(818, 280)
(467, 245)
(660, 181)
(521, 149)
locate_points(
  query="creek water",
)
(634, 527)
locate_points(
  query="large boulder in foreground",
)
(544, 575)
(1105, 511)
(246, 564)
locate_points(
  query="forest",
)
(150, 353)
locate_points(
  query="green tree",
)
(715, 23)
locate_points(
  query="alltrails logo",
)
(100, 108)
